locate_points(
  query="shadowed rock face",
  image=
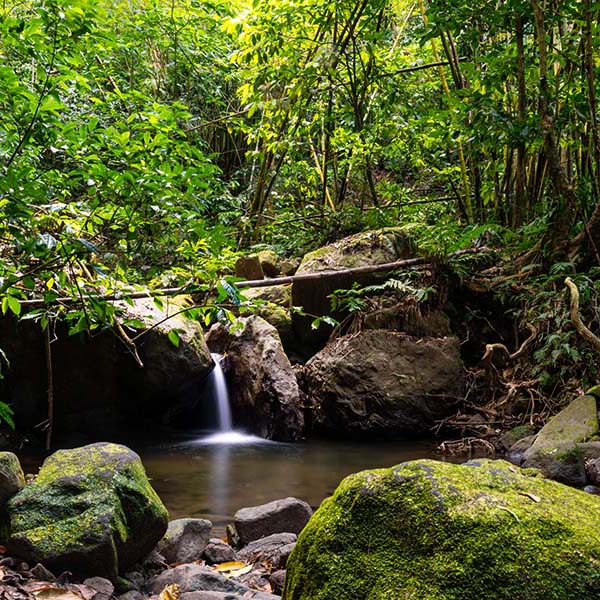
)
(436, 531)
(264, 393)
(90, 510)
(383, 382)
(100, 391)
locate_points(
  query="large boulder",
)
(380, 382)
(100, 391)
(429, 530)
(288, 515)
(264, 393)
(359, 250)
(12, 479)
(90, 510)
(555, 450)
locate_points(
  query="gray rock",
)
(136, 580)
(592, 489)
(210, 596)
(131, 595)
(380, 382)
(217, 551)
(555, 449)
(12, 479)
(91, 510)
(264, 392)
(103, 587)
(277, 581)
(274, 548)
(288, 515)
(517, 451)
(40, 572)
(185, 540)
(193, 578)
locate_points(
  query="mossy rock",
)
(362, 249)
(555, 451)
(12, 478)
(428, 530)
(90, 510)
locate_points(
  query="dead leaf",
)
(171, 592)
(233, 569)
(51, 593)
(531, 496)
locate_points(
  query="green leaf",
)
(174, 338)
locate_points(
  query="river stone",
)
(12, 478)
(264, 392)
(430, 530)
(380, 382)
(555, 451)
(362, 249)
(185, 540)
(194, 578)
(90, 510)
(274, 549)
(288, 515)
(277, 581)
(217, 551)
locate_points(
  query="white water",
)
(225, 434)
(218, 387)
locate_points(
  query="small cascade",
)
(218, 387)
(224, 435)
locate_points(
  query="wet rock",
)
(91, 511)
(555, 450)
(12, 478)
(367, 248)
(288, 515)
(217, 552)
(592, 489)
(185, 540)
(274, 549)
(264, 393)
(194, 578)
(426, 529)
(277, 581)
(381, 382)
(516, 452)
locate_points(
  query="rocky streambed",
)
(89, 526)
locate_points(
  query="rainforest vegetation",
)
(147, 144)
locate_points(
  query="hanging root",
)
(585, 333)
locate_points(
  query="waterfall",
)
(218, 387)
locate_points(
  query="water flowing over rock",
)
(432, 530)
(264, 393)
(383, 382)
(100, 391)
(90, 510)
(367, 248)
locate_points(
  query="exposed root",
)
(467, 445)
(584, 331)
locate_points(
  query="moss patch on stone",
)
(90, 509)
(435, 531)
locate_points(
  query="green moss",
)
(431, 530)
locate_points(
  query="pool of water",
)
(212, 476)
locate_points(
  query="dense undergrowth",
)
(148, 144)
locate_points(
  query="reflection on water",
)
(201, 478)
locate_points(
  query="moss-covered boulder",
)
(427, 530)
(12, 478)
(555, 450)
(367, 248)
(90, 510)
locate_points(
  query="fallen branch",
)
(253, 283)
(576, 319)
